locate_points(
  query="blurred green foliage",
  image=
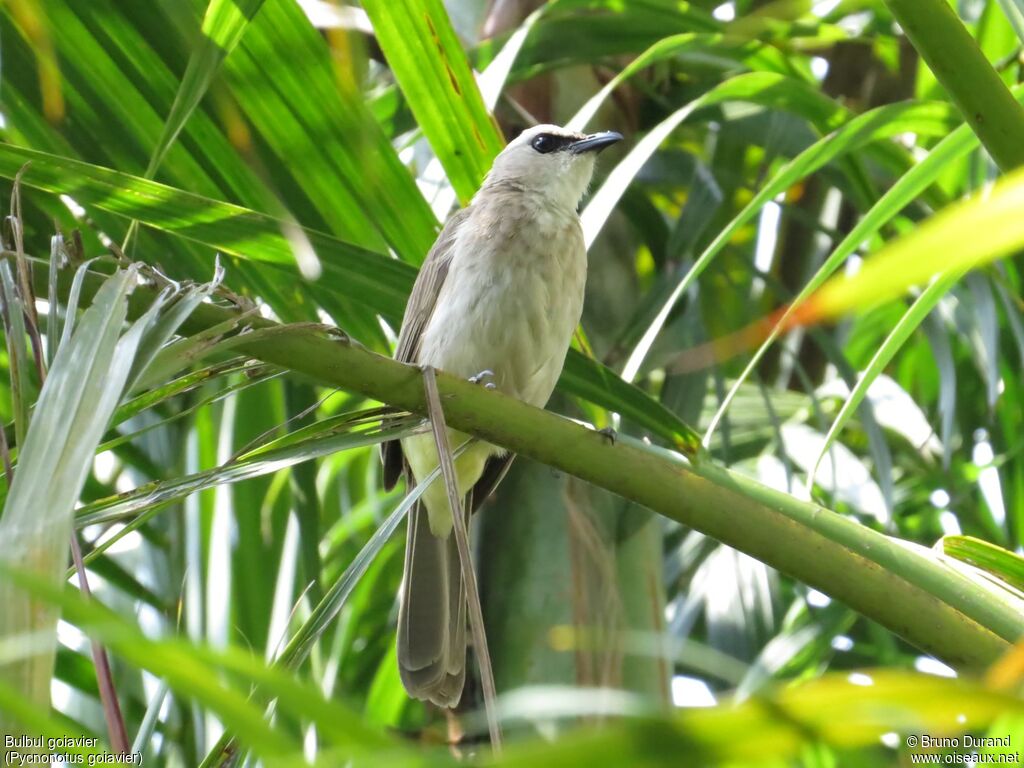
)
(769, 146)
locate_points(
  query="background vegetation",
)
(220, 473)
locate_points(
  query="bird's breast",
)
(511, 301)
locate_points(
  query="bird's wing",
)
(426, 289)
(418, 312)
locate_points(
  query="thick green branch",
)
(933, 606)
(987, 105)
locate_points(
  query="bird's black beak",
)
(595, 142)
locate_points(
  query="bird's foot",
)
(481, 378)
(609, 434)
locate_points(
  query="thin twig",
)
(108, 695)
(476, 616)
(28, 297)
(5, 452)
(522, 112)
(258, 440)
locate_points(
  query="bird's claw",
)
(481, 377)
(609, 434)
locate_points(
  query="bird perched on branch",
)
(500, 294)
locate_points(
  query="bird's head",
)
(551, 162)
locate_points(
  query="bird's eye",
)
(545, 143)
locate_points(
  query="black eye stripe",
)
(550, 142)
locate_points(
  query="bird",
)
(498, 298)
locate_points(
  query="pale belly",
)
(512, 312)
(505, 309)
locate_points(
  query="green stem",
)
(933, 606)
(947, 46)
